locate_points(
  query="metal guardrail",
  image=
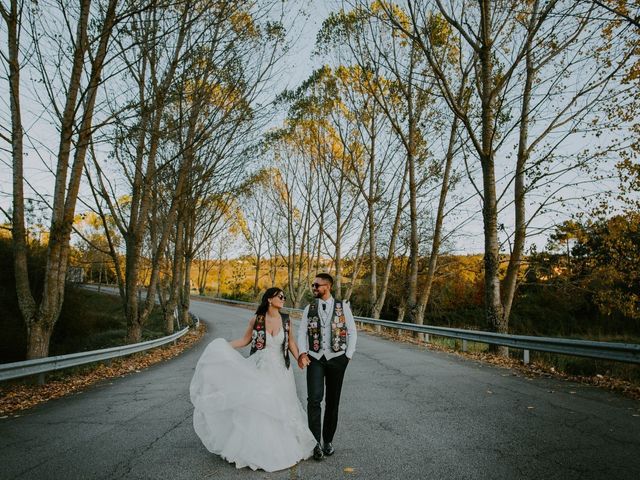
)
(620, 352)
(49, 364)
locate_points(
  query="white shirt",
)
(325, 320)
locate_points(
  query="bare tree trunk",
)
(273, 269)
(26, 301)
(202, 276)
(357, 262)
(414, 250)
(256, 277)
(377, 308)
(515, 259)
(493, 302)
(373, 251)
(337, 286)
(177, 278)
(41, 319)
(186, 292)
(149, 135)
(437, 232)
(402, 307)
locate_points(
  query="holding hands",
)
(303, 360)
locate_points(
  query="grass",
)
(89, 321)
(94, 320)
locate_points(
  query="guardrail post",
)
(41, 379)
(426, 338)
(464, 345)
(525, 357)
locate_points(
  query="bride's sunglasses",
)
(281, 296)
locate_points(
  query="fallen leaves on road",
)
(19, 396)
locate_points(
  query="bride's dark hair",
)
(264, 303)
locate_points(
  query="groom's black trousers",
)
(321, 373)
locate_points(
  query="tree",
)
(88, 48)
(294, 235)
(184, 133)
(517, 54)
(402, 88)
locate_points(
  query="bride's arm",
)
(293, 346)
(246, 338)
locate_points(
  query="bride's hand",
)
(303, 361)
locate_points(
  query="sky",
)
(297, 66)
(39, 157)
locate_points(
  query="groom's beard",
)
(317, 295)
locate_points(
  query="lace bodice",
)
(275, 343)
(271, 356)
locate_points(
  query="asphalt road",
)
(406, 413)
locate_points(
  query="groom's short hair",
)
(325, 276)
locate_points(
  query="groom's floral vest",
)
(338, 331)
(259, 336)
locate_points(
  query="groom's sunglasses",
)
(318, 285)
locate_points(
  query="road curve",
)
(406, 412)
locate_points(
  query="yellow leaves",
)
(392, 11)
(263, 177)
(124, 200)
(335, 146)
(240, 225)
(88, 218)
(523, 9)
(243, 24)
(280, 185)
(633, 73)
(354, 79)
(297, 214)
(348, 74)
(357, 154)
(440, 31)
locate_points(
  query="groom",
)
(327, 340)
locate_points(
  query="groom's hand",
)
(303, 360)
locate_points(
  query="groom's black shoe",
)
(317, 452)
(328, 449)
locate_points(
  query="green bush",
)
(88, 321)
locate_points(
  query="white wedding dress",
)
(247, 409)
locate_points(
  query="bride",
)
(247, 409)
